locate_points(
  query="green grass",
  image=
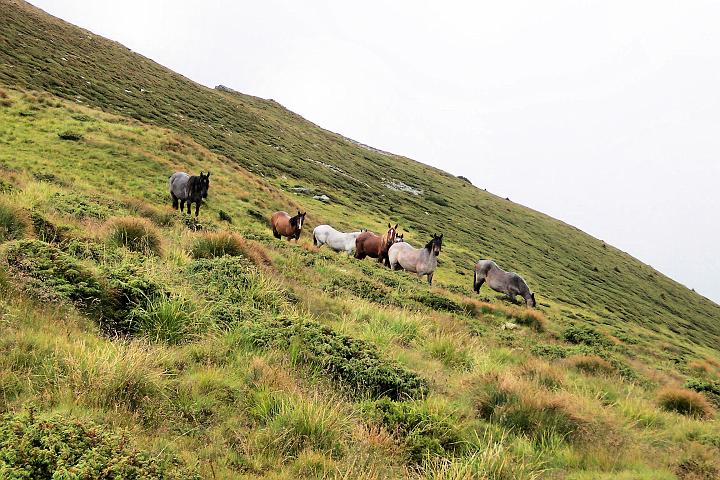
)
(242, 356)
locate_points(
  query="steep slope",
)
(564, 265)
(283, 360)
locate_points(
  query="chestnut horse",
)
(368, 244)
(283, 225)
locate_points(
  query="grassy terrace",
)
(224, 352)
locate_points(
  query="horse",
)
(399, 238)
(190, 189)
(285, 226)
(338, 241)
(421, 261)
(368, 244)
(501, 281)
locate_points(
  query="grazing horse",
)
(283, 225)
(338, 241)
(421, 261)
(501, 281)
(368, 244)
(190, 189)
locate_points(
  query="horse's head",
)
(298, 220)
(531, 301)
(435, 244)
(399, 238)
(204, 184)
(390, 235)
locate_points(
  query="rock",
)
(508, 326)
(322, 198)
(300, 189)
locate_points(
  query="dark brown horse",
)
(368, 244)
(283, 225)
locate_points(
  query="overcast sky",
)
(604, 114)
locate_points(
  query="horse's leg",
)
(174, 200)
(182, 206)
(430, 275)
(197, 208)
(276, 234)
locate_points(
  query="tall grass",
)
(136, 234)
(685, 402)
(14, 221)
(170, 320)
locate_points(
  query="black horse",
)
(184, 188)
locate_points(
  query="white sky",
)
(605, 114)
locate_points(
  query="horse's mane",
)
(294, 220)
(192, 184)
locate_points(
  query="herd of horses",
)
(390, 248)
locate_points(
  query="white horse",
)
(338, 241)
(501, 281)
(421, 261)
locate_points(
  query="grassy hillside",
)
(283, 360)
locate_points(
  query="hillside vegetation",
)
(178, 353)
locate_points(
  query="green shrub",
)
(51, 274)
(550, 351)
(235, 281)
(14, 222)
(47, 231)
(585, 335)
(424, 433)
(440, 302)
(58, 447)
(78, 205)
(360, 287)
(136, 234)
(73, 136)
(685, 402)
(224, 216)
(354, 363)
(708, 387)
(171, 320)
(217, 244)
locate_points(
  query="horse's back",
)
(177, 182)
(277, 216)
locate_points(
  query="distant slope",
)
(578, 276)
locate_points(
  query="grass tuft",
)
(135, 234)
(685, 402)
(14, 222)
(591, 364)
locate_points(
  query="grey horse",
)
(190, 189)
(421, 261)
(501, 281)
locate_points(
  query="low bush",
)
(585, 335)
(47, 231)
(360, 287)
(685, 402)
(440, 302)
(14, 222)
(549, 351)
(135, 234)
(707, 387)
(520, 406)
(73, 136)
(77, 205)
(542, 373)
(354, 363)
(33, 446)
(424, 432)
(591, 364)
(237, 283)
(224, 216)
(51, 274)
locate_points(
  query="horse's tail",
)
(315, 242)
